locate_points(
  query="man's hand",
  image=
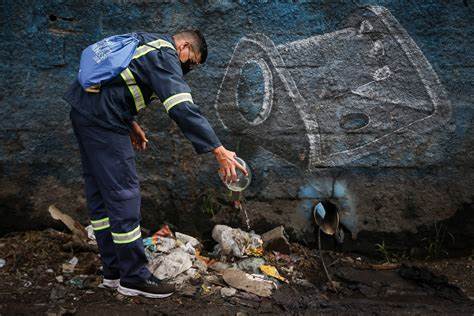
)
(137, 136)
(227, 164)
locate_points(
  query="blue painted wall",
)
(40, 46)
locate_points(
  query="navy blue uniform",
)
(102, 122)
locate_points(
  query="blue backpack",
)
(106, 59)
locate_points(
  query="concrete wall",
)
(364, 103)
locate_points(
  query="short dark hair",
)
(199, 42)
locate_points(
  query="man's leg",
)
(98, 215)
(101, 226)
(112, 162)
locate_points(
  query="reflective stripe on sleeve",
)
(148, 47)
(125, 238)
(176, 99)
(129, 79)
(100, 224)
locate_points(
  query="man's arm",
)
(195, 127)
(166, 79)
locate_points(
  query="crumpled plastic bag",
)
(170, 265)
(236, 242)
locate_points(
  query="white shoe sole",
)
(109, 284)
(132, 292)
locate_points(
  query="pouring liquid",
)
(239, 203)
(237, 187)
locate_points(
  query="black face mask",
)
(186, 67)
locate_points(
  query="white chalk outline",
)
(441, 106)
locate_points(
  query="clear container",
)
(243, 181)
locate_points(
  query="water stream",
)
(239, 203)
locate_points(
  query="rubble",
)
(74, 226)
(69, 266)
(276, 240)
(250, 283)
(35, 259)
(228, 291)
(58, 292)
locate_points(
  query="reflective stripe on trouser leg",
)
(100, 224)
(125, 238)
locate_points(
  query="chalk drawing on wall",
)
(336, 98)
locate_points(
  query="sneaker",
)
(151, 288)
(109, 283)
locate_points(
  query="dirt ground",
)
(33, 282)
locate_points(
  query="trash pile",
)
(236, 263)
(57, 273)
(241, 262)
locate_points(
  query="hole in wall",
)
(326, 216)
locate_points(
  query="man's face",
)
(188, 57)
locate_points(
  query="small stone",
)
(188, 290)
(276, 240)
(187, 277)
(3, 262)
(58, 292)
(228, 291)
(60, 278)
(49, 271)
(304, 283)
(213, 279)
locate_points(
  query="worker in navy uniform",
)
(103, 119)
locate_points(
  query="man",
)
(104, 125)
